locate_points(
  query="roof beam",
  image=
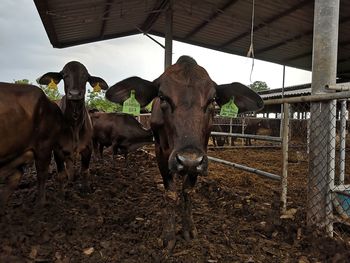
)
(154, 15)
(294, 38)
(308, 54)
(217, 12)
(105, 16)
(284, 42)
(268, 21)
(98, 38)
(47, 21)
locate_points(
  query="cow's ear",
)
(157, 119)
(145, 91)
(46, 78)
(244, 97)
(96, 80)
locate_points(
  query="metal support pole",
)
(322, 126)
(231, 139)
(285, 140)
(342, 141)
(283, 82)
(168, 35)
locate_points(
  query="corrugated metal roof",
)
(292, 91)
(282, 29)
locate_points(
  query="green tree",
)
(21, 81)
(52, 94)
(96, 100)
(259, 86)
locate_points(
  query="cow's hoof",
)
(169, 244)
(190, 234)
(85, 188)
(2, 210)
(169, 239)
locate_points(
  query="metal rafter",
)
(98, 38)
(154, 15)
(105, 16)
(268, 21)
(309, 53)
(217, 12)
(284, 42)
(47, 20)
(295, 38)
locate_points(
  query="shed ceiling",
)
(283, 29)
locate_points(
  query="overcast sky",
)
(26, 53)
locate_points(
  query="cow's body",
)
(181, 121)
(121, 131)
(30, 128)
(75, 77)
(253, 126)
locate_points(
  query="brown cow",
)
(253, 126)
(181, 121)
(120, 130)
(75, 77)
(30, 128)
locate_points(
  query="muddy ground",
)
(236, 214)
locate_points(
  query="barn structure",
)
(296, 33)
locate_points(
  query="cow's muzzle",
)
(75, 95)
(189, 163)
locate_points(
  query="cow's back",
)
(25, 113)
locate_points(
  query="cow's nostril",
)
(181, 159)
(199, 160)
(189, 162)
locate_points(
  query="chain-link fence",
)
(317, 149)
(313, 156)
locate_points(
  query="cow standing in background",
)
(75, 77)
(121, 131)
(253, 127)
(181, 121)
(31, 126)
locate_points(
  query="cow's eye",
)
(210, 105)
(162, 98)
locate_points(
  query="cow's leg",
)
(101, 151)
(9, 182)
(214, 141)
(188, 227)
(69, 161)
(61, 169)
(171, 201)
(126, 160)
(42, 162)
(85, 162)
(95, 149)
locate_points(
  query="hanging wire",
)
(251, 47)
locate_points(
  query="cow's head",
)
(75, 77)
(182, 112)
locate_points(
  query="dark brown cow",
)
(122, 131)
(181, 121)
(30, 128)
(253, 126)
(75, 77)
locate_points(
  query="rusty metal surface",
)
(283, 29)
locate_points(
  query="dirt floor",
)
(236, 214)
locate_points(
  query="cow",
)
(253, 126)
(121, 131)
(181, 121)
(217, 139)
(31, 127)
(75, 76)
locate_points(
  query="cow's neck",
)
(75, 112)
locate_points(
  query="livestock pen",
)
(237, 213)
